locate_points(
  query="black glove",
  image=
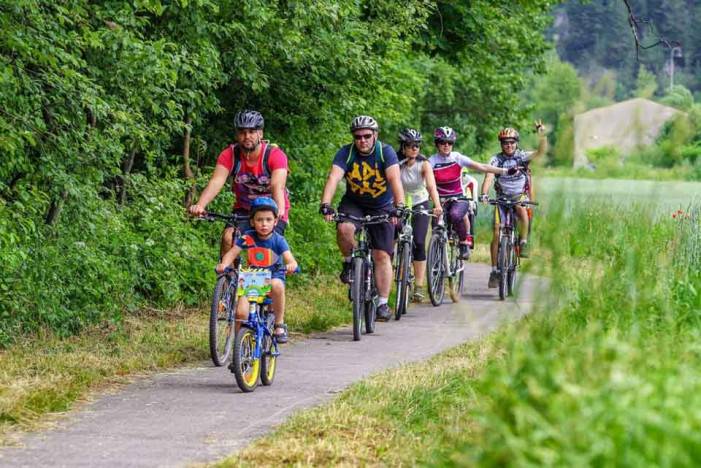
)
(512, 171)
(325, 209)
(484, 198)
(398, 211)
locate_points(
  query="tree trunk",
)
(187, 170)
(122, 179)
(55, 208)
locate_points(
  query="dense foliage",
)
(112, 114)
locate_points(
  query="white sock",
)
(494, 268)
(347, 259)
(383, 300)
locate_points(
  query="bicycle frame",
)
(362, 295)
(448, 235)
(508, 260)
(261, 320)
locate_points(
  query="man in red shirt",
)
(257, 168)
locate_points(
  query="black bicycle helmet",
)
(409, 135)
(248, 119)
(364, 122)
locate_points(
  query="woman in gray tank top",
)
(419, 185)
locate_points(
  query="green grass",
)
(44, 373)
(605, 372)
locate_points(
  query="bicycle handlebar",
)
(507, 202)
(229, 269)
(454, 198)
(369, 219)
(231, 217)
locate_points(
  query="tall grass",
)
(606, 371)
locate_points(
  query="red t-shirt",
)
(251, 181)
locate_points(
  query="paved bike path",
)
(199, 414)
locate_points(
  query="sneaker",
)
(383, 313)
(345, 273)
(523, 249)
(418, 296)
(464, 251)
(471, 241)
(493, 279)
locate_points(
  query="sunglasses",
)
(362, 136)
(508, 142)
(412, 146)
(444, 142)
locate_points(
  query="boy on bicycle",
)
(268, 249)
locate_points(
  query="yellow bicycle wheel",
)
(246, 367)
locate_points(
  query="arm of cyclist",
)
(486, 185)
(290, 262)
(395, 183)
(278, 179)
(335, 175)
(492, 169)
(228, 258)
(216, 182)
(430, 180)
(542, 141)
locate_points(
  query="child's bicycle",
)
(222, 313)
(255, 344)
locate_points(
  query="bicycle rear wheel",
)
(246, 366)
(358, 295)
(221, 322)
(403, 270)
(435, 270)
(455, 281)
(503, 264)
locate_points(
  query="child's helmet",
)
(261, 203)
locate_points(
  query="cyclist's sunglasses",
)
(508, 142)
(412, 145)
(362, 136)
(444, 142)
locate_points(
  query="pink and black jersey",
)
(252, 181)
(448, 170)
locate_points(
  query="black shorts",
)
(381, 235)
(245, 225)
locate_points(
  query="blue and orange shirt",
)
(263, 253)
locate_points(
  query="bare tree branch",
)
(636, 25)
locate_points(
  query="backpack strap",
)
(379, 154)
(266, 158)
(236, 159)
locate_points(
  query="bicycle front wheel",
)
(221, 322)
(268, 361)
(246, 366)
(503, 264)
(511, 275)
(435, 270)
(358, 296)
(403, 270)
